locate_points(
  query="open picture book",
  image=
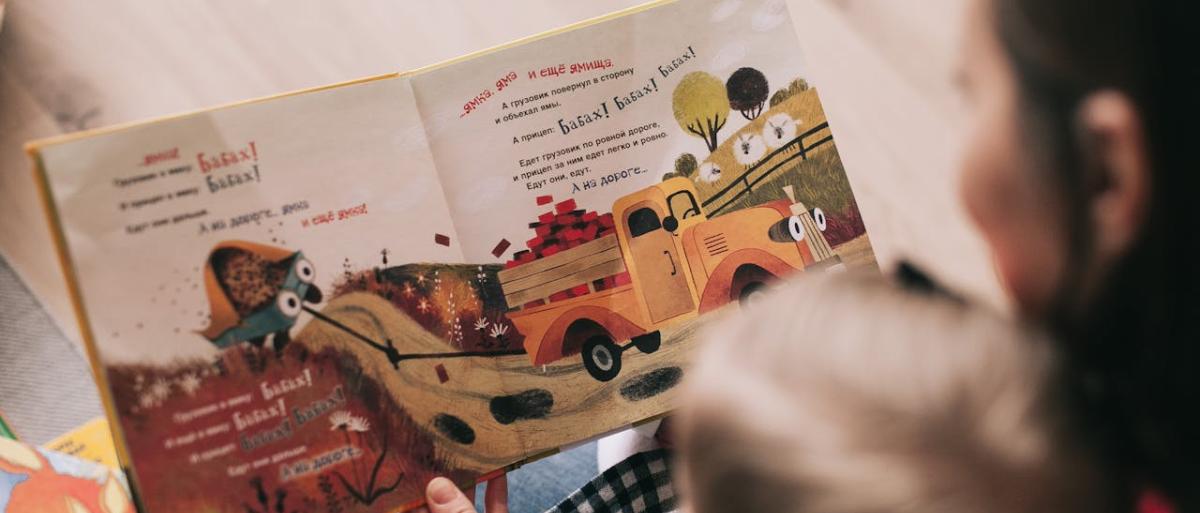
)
(319, 301)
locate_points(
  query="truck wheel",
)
(602, 358)
(751, 293)
(649, 342)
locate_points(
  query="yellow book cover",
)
(321, 300)
(91, 441)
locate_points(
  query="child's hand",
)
(442, 496)
(665, 435)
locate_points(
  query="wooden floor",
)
(883, 68)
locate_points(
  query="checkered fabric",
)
(639, 484)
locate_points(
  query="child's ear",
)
(1118, 165)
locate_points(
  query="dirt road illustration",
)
(491, 411)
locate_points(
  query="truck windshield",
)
(683, 205)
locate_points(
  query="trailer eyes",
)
(288, 303)
(795, 228)
(305, 271)
(818, 216)
(790, 229)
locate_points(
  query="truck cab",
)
(649, 223)
(680, 263)
(684, 264)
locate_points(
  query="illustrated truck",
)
(664, 262)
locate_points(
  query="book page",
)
(631, 176)
(235, 270)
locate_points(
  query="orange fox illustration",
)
(42, 489)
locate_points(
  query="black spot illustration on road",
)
(651, 383)
(454, 428)
(530, 404)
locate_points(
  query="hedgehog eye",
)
(288, 303)
(305, 271)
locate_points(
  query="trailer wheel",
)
(602, 358)
(649, 342)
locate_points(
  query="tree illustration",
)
(797, 86)
(700, 106)
(747, 90)
(686, 165)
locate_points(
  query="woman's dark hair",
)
(1132, 343)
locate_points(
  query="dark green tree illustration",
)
(797, 86)
(686, 165)
(747, 90)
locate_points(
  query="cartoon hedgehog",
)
(256, 290)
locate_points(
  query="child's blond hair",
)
(849, 394)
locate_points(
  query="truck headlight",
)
(789, 229)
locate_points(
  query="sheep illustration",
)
(748, 149)
(779, 130)
(709, 172)
(255, 290)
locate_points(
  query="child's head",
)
(847, 394)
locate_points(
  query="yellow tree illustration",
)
(701, 106)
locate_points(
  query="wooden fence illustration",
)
(743, 184)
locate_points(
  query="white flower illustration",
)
(498, 330)
(146, 400)
(358, 424)
(189, 383)
(160, 390)
(481, 324)
(339, 420)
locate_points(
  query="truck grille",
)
(715, 244)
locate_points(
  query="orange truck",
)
(680, 264)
